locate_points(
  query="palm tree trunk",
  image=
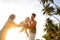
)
(56, 18)
(56, 6)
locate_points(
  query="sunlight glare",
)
(13, 34)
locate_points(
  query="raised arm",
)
(21, 24)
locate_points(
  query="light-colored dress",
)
(9, 24)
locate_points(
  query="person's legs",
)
(26, 32)
(32, 36)
(22, 29)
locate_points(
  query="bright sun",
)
(13, 34)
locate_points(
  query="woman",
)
(8, 25)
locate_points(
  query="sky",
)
(57, 2)
(22, 9)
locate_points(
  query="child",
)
(25, 24)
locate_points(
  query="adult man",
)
(32, 28)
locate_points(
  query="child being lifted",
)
(25, 25)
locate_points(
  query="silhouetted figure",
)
(25, 24)
(8, 25)
(32, 28)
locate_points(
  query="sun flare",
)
(13, 34)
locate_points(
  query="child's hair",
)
(27, 18)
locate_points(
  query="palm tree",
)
(58, 9)
(47, 36)
(51, 29)
(46, 1)
(48, 10)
